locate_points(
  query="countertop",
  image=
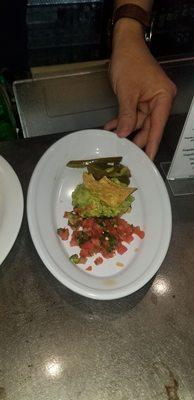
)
(55, 344)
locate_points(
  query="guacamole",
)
(91, 206)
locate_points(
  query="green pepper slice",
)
(85, 163)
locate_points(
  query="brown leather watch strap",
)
(131, 11)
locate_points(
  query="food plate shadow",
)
(96, 308)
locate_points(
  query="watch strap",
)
(131, 11)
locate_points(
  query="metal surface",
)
(64, 103)
(81, 96)
(55, 344)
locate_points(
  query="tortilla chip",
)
(109, 192)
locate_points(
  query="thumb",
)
(127, 118)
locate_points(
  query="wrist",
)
(128, 29)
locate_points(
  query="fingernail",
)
(151, 155)
(121, 134)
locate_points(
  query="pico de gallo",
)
(97, 236)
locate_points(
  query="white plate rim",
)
(48, 261)
(14, 212)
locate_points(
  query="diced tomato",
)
(123, 228)
(105, 245)
(83, 253)
(88, 248)
(121, 248)
(98, 261)
(63, 233)
(95, 242)
(137, 231)
(88, 223)
(91, 227)
(82, 260)
(89, 268)
(107, 254)
(122, 224)
(129, 238)
(111, 229)
(97, 230)
(73, 241)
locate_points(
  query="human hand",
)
(145, 93)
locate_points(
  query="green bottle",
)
(8, 127)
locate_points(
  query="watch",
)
(135, 12)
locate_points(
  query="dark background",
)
(38, 32)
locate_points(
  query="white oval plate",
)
(11, 207)
(49, 195)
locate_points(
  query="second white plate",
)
(11, 207)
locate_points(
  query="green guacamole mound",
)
(91, 206)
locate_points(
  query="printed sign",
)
(182, 165)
